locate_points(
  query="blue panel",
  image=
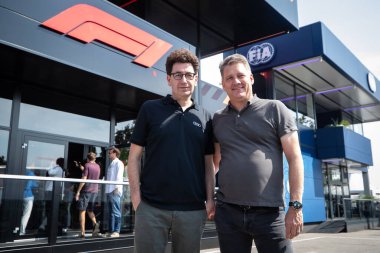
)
(313, 198)
(357, 147)
(296, 46)
(314, 210)
(340, 142)
(309, 42)
(345, 60)
(307, 142)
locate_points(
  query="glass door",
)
(41, 199)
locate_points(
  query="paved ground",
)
(366, 241)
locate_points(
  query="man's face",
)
(112, 155)
(184, 87)
(237, 82)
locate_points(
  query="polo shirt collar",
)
(168, 100)
(250, 102)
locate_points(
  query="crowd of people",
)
(77, 200)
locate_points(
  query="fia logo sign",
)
(260, 54)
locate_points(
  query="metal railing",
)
(60, 199)
(361, 208)
(60, 179)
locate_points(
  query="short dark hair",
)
(181, 56)
(115, 150)
(60, 161)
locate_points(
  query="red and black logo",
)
(87, 23)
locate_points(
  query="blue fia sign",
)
(260, 54)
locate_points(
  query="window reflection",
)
(5, 115)
(123, 132)
(57, 122)
(4, 137)
(285, 93)
(305, 107)
(297, 99)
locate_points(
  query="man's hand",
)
(210, 208)
(293, 222)
(136, 200)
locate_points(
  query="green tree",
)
(122, 140)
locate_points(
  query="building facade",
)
(75, 73)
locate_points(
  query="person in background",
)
(173, 191)
(55, 171)
(114, 192)
(86, 195)
(251, 136)
(28, 201)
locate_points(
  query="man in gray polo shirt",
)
(251, 135)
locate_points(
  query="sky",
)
(356, 24)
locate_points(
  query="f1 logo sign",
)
(87, 23)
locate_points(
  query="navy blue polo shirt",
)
(176, 141)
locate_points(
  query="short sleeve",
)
(285, 121)
(140, 132)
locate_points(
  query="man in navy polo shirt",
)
(172, 192)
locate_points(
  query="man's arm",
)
(134, 169)
(210, 186)
(119, 177)
(80, 188)
(54, 171)
(291, 147)
(217, 157)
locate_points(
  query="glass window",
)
(4, 137)
(297, 99)
(123, 132)
(358, 128)
(305, 106)
(5, 115)
(285, 93)
(63, 123)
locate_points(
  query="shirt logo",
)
(87, 23)
(197, 124)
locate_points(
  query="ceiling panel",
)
(329, 73)
(332, 90)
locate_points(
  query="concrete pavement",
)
(365, 241)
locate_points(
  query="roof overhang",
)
(214, 26)
(315, 59)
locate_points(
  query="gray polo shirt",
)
(251, 168)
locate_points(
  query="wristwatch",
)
(295, 204)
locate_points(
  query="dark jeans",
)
(114, 212)
(238, 226)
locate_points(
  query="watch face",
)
(296, 204)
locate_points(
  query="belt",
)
(257, 208)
